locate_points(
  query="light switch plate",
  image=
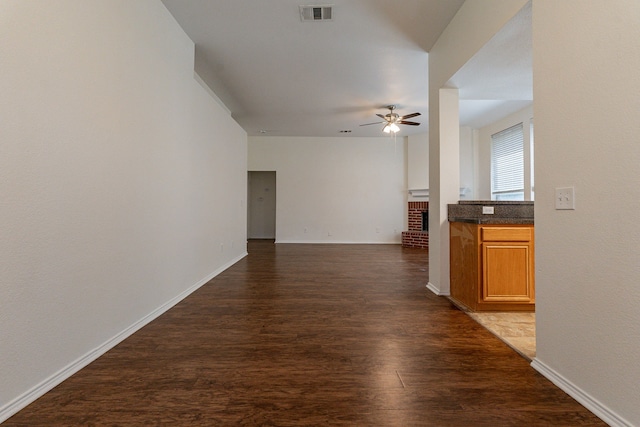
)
(565, 198)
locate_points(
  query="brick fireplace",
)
(418, 234)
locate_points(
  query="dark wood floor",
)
(311, 335)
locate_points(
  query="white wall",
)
(418, 164)
(120, 179)
(586, 83)
(523, 116)
(346, 190)
(468, 163)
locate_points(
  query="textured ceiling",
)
(281, 76)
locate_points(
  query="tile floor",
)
(516, 329)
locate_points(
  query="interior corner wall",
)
(122, 183)
(340, 190)
(586, 58)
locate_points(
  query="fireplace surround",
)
(418, 234)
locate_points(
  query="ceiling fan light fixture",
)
(390, 127)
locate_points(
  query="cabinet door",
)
(507, 274)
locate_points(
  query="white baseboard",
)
(586, 400)
(433, 288)
(39, 390)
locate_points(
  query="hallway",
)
(309, 335)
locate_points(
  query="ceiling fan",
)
(392, 120)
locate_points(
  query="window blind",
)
(507, 163)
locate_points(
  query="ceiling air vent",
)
(316, 13)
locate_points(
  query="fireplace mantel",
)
(424, 192)
(419, 192)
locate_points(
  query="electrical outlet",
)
(488, 210)
(565, 198)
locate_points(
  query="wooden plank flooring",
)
(311, 335)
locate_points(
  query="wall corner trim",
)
(436, 290)
(30, 396)
(584, 398)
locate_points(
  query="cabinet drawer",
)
(506, 234)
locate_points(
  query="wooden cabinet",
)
(492, 266)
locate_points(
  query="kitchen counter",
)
(492, 255)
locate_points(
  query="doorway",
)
(261, 205)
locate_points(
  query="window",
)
(531, 159)
(507, 164)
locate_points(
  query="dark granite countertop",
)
(496, 221)
(495, 202)
(505, 212)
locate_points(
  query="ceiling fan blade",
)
(374, 123)
(381, 116)
(408, 116)
(402, 122)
